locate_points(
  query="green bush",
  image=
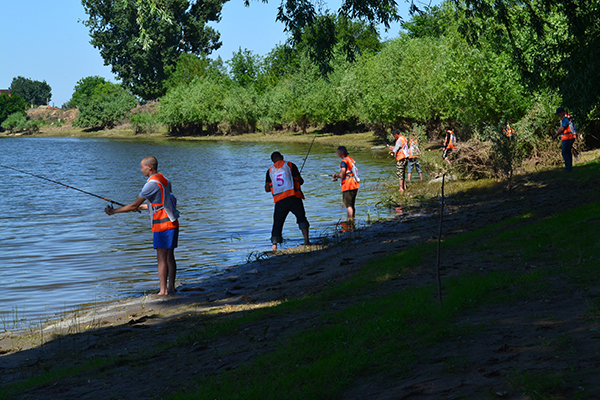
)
(10, 105)
(187, 108)
(108, 104)
(144, 123)
(17, 122)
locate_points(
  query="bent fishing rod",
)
(305, 158)
(62, 184)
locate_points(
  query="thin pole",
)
(305, 158)
(439, 279)
(62, 184)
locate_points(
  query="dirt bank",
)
(133, 332)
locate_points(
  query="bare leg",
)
(408, 176)
(421, 176)
(167, 270)
(305, 234)
(350, 211)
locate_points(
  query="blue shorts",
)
(166, 239)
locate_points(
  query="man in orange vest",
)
(349, 179)
(283, 181)
(400, 151)
(165, 223)
(449, 144)
(567, 134)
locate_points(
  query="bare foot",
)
(162, 293)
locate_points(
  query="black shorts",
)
(349, 198)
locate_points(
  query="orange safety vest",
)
(403, 150)
(160, 218)
(568, 133)
(283, 184)
(450, 142)
(413, 149)
(349, 183)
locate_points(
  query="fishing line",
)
(62, 184)
(305, 158)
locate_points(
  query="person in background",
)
(449, 145)
(400, 151)
(413, 158)
(349, 183)
(567, 134)
(283, 181)
(165, 222)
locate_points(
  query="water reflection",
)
(60, 249)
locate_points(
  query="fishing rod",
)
(305, 158)
(62, 184)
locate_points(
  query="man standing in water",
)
(349, 179)
(283, 181)
(165, 225)
(400, 152)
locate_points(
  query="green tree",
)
(244, 67)
(108, 104)
(84, 89)
(140, 39)
(34, 92)
(554, 43)
(10, 105)
(187, 109)
(190, 67)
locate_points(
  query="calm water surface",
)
(60, 251)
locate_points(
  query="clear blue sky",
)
(45, 40)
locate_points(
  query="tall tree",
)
(34, 92)
(554, 42)
(84, 89)
(141, 38)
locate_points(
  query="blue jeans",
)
(567, 146)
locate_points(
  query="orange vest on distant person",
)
(403, 150)
(568, 133)
(160, 218)
(450, 141)
(413, 149)
(349, 183)
(283, 183)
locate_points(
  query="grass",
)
(396, 329)
(370, 325)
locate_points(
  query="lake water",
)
(59, 250)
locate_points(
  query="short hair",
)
(152, 161)
(559, 110)
(395, 132)
(276, 156)
(343, 149)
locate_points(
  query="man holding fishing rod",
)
(283, 181)
(165, 225)
(349, 176)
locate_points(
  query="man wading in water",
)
(165, 225)
(283, 180)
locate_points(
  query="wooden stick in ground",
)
(439, 279)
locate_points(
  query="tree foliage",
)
(84, 90)
(554, 43)
(34, 92)
(108, 104)
(10, 105)
(141, 39)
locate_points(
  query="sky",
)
(44, 40)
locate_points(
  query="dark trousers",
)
(567, 153)
(282, 209)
